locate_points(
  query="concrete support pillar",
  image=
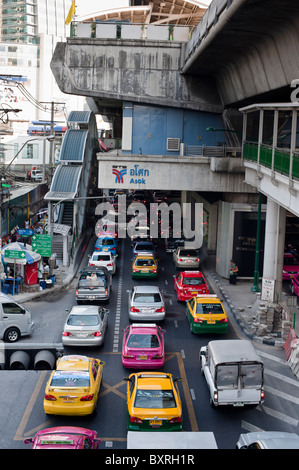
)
(274, 245)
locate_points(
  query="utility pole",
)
(53, 104)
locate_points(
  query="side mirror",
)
(126, 379)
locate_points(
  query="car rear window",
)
(101, 258)
(155, 297)
(209, 308)
(83, 320)
(193, 281)
(145, 262)
(192, 253)
(144, 247)
(70, 379)
(155, 399)
(143, 341)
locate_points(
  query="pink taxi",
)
(143, 346)
(290, 266)
(295, 284)
(64, 437)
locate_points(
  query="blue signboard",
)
(26, 232)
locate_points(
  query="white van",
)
(234, 373)
(15, 320)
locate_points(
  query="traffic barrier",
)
(290, 343)
(30, 356)
(293, 361)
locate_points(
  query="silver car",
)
(146, 303)
(268, 440)
(186, 258)
(85, 326)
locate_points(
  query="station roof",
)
(176, 12)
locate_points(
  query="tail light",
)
(106, 291)
(50, 397)
(161, 309)
(91, 264)
(97, 334)
(128, 356)
(177, 419)
(77, 292)
(66, 333)
(197, 259)
(135, 270)
(87, 397)
(134, 309)
(198, 320)
(110, 264)
(135, 420)
(262, 395)
(158, 356)
(223, 320)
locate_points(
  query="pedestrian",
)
(233, 271)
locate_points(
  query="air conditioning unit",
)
(173, 144)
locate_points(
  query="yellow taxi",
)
(73, 388)
(206, 314)
(153, 402)
(144, 266)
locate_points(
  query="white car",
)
(106, 259)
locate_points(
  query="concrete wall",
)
(131, 70)
(167, 173)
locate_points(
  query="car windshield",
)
(193, 281)
(143, 341)
(149, 297)
(155, 399)
(188, 253)
(83, 320)
(209, 308)
(145, 262)
(70, 379)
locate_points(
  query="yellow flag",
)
(71, 13)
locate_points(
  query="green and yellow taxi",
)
(206, 314)
(144, 266)
(153, 402)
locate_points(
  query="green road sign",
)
(41, 243)
(15, 254)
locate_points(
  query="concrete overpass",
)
(242, 52)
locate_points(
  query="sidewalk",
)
(244, 305)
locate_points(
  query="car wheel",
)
(12, 335)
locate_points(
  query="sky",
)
(84, 7)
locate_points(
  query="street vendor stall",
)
(19, 257)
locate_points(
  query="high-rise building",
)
(29, 31)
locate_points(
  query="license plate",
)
(155, 422)
(82, 335)
(68, 399)
(142, 357)
(211, 322)
(145, 270)
(194, 292)
(105, 249)
(92, 297)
